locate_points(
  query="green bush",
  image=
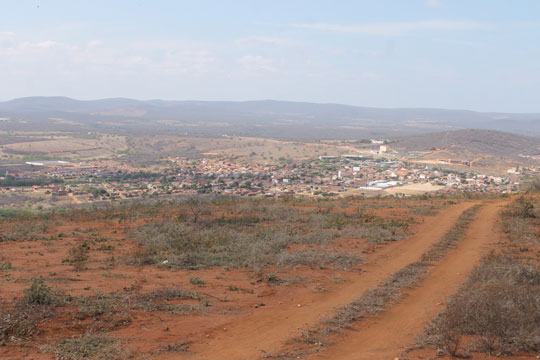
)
(39, 293)
(197, 281)
(78, 256)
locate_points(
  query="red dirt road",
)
(266, 329)
(387, 335)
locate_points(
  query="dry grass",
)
(377, 299)
(498, 308)
(520, 219)
(258, 233)
(89, 347)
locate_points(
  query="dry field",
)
(253, 150)
(261, 278)
(150, 148)
(62, 145)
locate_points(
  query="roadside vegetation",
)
(260, 233)
(497, 311)
(521, 219)
(377, 299)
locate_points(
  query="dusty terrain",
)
(166, 310)
(408, 318)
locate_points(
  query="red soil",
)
(266, 329)
(242, 327)
(387, 335)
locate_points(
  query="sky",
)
(459, 54)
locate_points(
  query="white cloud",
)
(47, 44)
(257, 63)
(186, 61)
(433, 3)
(95, 43)
(168, 58)
(6, 39)
(266, 40)
(393, 28)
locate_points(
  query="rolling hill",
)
(474, 141)
(267, 118)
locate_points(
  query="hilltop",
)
(470, 141)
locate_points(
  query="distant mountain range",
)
(268, 118)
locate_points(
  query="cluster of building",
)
(325, 176)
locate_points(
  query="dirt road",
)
(386, 336)
(266, 329)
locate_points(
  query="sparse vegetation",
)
(245, 234)
(180, 245)
(121, 303)
(197, 281)
(22, 230)
(377, 299)
(89, 347)
(520, 219)
(39, 293)
(497, 310)
(20, 322)
(78, 256)
(259, 246)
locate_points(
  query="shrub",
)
(525, 209)
(209, 246)
(318, 258)
(499, 306)
(98, 304)
(90, 347)
(519, 221)
(197, 281)
(17, 323)
(39, 293)
(78, 256)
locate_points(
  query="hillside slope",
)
(474, 141)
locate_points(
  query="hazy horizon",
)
(263, 100)
(439, 54)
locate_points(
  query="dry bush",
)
(22, 229)
(21, 322)
(520, 219)
(532, 186)
(119, 304)
(181, 245)
(318, 258)
(499, 307)
(39, 293)
(89, 347)
(78, 256)
(524, 208)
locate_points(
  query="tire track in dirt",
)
(387, 335)
(266, 329)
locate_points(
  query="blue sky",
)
(474, 54)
